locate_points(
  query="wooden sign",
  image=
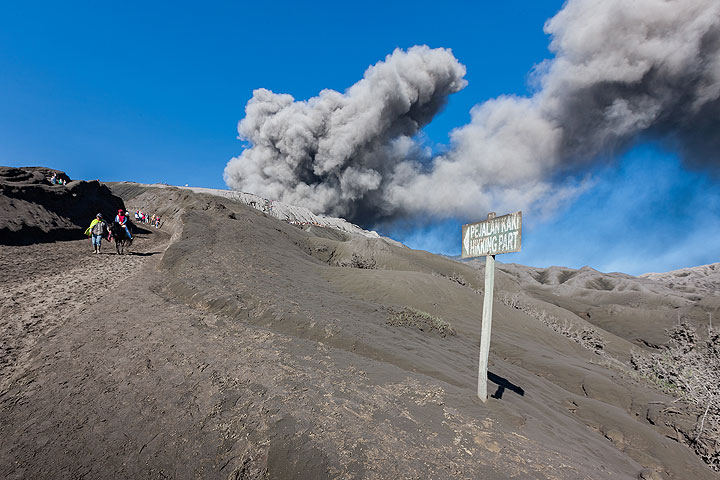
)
(493, 236)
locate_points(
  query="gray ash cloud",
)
(621, 72)
(338, 152)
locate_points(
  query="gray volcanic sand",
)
(238, 346)
(638, 309)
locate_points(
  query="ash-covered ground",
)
(231, 344)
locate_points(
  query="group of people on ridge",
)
(98, 228)
(55, 180)
(145, 217)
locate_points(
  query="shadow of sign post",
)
(494, 236)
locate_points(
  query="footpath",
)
(45, 285)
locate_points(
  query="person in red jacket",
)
(122, 219)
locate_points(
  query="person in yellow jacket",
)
(97, 229)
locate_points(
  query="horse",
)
(122, 241)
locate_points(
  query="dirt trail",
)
(161, 390)
(44, 285)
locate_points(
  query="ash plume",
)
(336, 153)
(622, 72)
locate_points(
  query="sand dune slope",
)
(241, 346)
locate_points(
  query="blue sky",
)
(644, 213)
(153, 91)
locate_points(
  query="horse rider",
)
(97, 229)
(122, 220)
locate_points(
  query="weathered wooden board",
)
(492, 237)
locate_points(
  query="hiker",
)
(97, 229)
(122, 220)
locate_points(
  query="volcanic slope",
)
(33, 210)
(251, 348)
(638, 309)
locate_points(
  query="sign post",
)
(494, 236)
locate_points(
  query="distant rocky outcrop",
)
(296, 215)
(36, 211)
(701, 279)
